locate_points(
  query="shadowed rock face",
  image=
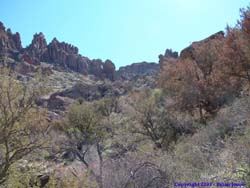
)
(109, 70)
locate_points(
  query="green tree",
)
(156, 122)
(85, 129)
(108, 105)
(21, 123)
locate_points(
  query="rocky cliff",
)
(66, 56)
(10, 44)
(59, 54)
(137, 69)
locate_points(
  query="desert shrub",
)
(88, 132)
(108, 105)
(155, 122)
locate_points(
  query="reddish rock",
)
(10, 44)
(66, 56)
(26, 58)
(38, 46)
(61, 54)
(14, 41)
(17, 40)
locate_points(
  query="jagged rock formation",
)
(66, 56)
(168, 54)
(10, 43)
(38, 47)
(137, 69)
(59, 54)
(11, 52)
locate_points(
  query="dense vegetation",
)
(194, 127)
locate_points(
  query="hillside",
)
(67, 121)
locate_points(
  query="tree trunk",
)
(100, 180)
(202, 119)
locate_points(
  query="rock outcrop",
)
(90, 92)
(137, 69)
(13, 55)
(168, 54)
(66, 56)
(189, 51)
(10, 44)
(109, 70)
(60, 54)
(38, 47)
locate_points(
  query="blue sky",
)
(125, 31)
